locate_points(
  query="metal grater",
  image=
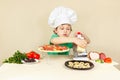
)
(79, 55)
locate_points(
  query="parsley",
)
(16, 58)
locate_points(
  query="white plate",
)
(36, 61)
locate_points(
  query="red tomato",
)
(64, 48)
(58, 48)
(33, 54)
(36, 56)
(108, 60)
(48, 47)
(29, 55)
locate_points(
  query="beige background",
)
(24, 27)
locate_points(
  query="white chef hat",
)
(62, 15)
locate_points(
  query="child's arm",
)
(61, 40)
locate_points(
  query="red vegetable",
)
(29, 55)
(78, 32)
(36, 56)
(48, 47)
(102, 56)
(33, 54)
(108, 60)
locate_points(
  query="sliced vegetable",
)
(53, 47)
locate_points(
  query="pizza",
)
(53, 48)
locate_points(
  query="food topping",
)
(93, 55)
(99, 57)
(53, 48)
(16, 58)
(21, 58)
(79, 64)
(99, 61)
(102, 56)
(33, 54)
(108, 60)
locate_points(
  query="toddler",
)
(61, 20)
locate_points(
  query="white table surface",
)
(53, 68)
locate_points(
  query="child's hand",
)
(81, 43)
(83, 35)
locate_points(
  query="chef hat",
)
(62, 15)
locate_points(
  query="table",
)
(53, 68)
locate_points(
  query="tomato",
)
(48, 47)
(58, 48)
(29, 55)
(36, 56)
(33, 54)
(64, 48)
(54, 47)
(108, 60)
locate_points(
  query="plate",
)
(41, 49)
(24, 62)
(79, 64)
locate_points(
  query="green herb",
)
(16, 58)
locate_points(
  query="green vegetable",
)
(99, 61)
(16, 58)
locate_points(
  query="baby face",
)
(63, 30)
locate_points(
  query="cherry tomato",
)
(108, 60)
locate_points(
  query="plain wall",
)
(24, 27)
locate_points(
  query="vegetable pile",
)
(16, 58)
(20, 58)
(99, 57)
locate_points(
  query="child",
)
(61, 19)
